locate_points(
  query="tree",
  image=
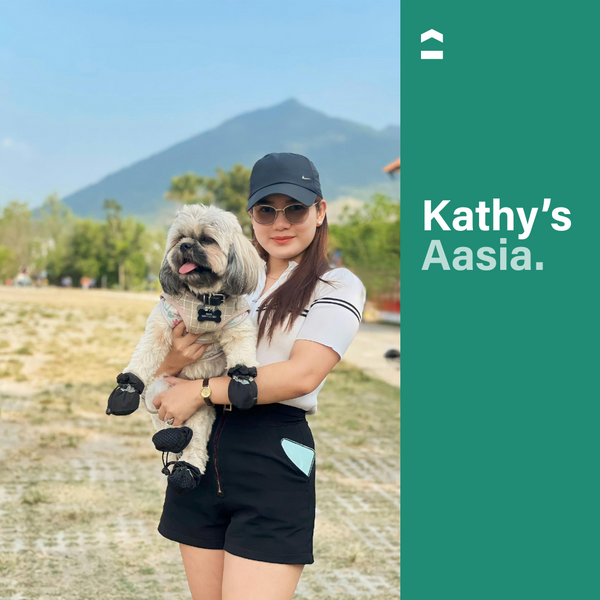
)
(8, 263)
(86, 254)
(63, 244)
(154, 242)
(185, 188)
(123, 242)
(16, 235)
(228, 190)
(369, 239)
(55, 229)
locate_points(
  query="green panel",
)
(500, 368)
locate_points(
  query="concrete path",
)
(372, 341)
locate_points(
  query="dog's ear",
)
(243, 267)
(168, 280)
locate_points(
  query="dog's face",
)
(207, 252)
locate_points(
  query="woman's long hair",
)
(289, 300)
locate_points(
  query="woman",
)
(246, 531)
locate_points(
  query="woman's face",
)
(282, 239)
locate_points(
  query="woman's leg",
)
(204, 571)
(245, 579)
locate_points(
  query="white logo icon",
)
(307, 178)
(432, 54)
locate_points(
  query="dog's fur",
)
(229, 264)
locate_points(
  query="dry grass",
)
(81, 493)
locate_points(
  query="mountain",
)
(392, 131)
(349, 157)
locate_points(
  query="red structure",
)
(393, 167)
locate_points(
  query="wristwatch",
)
(205, 392)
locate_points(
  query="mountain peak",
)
(291, 102)
(392, 131)
(349, 156)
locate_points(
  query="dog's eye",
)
(207, 240)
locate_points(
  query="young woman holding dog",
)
(246, 531)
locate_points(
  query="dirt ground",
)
(81, 493)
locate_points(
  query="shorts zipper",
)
(220, 491)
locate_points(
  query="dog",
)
(207, 268)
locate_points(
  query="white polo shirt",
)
(331, 318)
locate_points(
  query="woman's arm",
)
(328, 329)
(308, 365)
(184, 351)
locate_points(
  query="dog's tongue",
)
(189, 266)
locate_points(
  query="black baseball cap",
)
(284, 173)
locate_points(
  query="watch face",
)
(205, 392)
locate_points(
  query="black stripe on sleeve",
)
(341, 303)
(339, 300)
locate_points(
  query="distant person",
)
(247, 529)
(66, 281)
(337, 259)
(22, 279)
(40, 278)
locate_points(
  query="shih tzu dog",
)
(207, 268)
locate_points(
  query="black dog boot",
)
(242, 390)
(125, 398)
(184, 477)
(173, 439)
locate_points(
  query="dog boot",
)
(242, 391)
(173, 439)
(184, 477)
(125, 398)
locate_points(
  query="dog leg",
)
(239, 345)
(149, 353)
(152, 348)
(157, 386)
(191, 463)
(196, 452)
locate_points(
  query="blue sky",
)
(88, 87)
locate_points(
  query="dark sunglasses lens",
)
(264, 214)
(296, 213)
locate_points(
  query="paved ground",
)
(81, 493)
(366, 352)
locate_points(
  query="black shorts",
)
(257, 497)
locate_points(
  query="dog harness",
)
(206, 315)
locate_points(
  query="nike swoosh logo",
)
(307, 178)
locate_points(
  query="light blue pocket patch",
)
(302, 456)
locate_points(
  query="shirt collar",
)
(291, 265)
(263, 277)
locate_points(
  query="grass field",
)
(81, 493)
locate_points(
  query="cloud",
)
(16, 148)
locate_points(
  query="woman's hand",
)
(179, 402)
(184, 350)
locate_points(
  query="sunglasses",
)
(294, 214)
